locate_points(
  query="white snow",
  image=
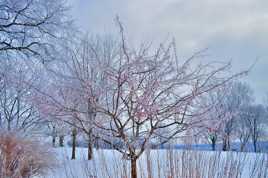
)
(162, 163)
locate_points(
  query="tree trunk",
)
(91, 116)
(54, 134)
(9, 125)
(255, 145)
(224, 144)
(228, 143)
(73, 143)
(61, 140)
(53, 140)
(90, 151)
(213, 144)
(242, 146)
(90, 146)
(134, 168)
(96, 143)
(213, 139)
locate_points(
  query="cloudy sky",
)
(234, 30)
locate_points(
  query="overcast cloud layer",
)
(230, 29)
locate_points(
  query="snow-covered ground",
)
(160, 164)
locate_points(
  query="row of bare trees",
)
(234, 117)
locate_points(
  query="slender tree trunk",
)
(61, 140)
(224, 144)
(53, 140)
(213, 139)
(97, 143)
(90, 146)
(90, 151)
(228, 143)
(255, 145)
(254, 135)
(242, 146)
(54, 136)
(213, 144)
(73, 143)
(91, 116)
(134, 168)
(9, 125)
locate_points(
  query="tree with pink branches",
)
(150, 89)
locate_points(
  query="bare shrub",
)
(22, 158)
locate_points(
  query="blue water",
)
(261, 146)
(235, 146)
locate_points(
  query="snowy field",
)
(161, 164)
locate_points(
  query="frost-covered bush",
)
(22, 158)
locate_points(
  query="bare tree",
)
(224, 116)
(147, 90)
(216, 116)
(241, 129)
(30, 27)
(238, 95)
(17, 112)
(81, 78)
(255, 122)
(71, 81)
(58, 110)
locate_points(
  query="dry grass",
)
(21, 158)
(173, 164)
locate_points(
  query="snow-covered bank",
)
(161, 164)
